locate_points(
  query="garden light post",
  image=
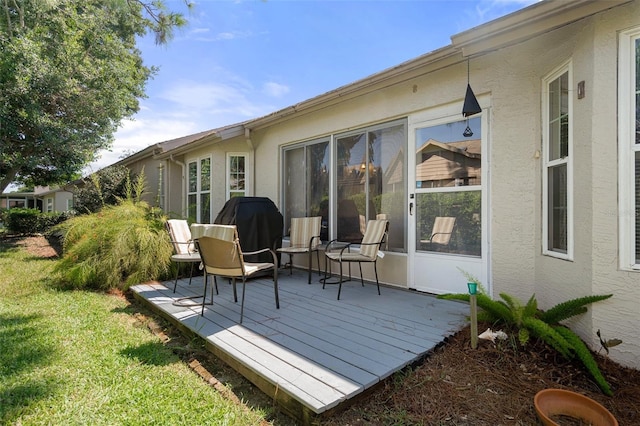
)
(473, 290)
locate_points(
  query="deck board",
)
(315, 351)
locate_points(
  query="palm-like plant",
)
(529, 321)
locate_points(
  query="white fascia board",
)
(527, 23)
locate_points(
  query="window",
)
(557, 165)
(199, 190)
(70, 204)
(306, 183)
(49, 205)
(236, 175)
(629, 148)
(370, 182)
(448, 189)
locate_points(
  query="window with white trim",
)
(629, 148)
(557, 164)
(199, 190)
(237, 175)
(49, 205)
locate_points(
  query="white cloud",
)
(205, 35)
(220, 103)
(275, 90)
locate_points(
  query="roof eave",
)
(216, 136)
(529, 22)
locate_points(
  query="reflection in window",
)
(448, 189)
(237, 178)
(445, 159)
(449, 222)
(199, 194)
(306, 185)
(371, 182)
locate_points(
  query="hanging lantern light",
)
(470, 106)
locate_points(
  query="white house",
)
(545, 192)
(44, 198)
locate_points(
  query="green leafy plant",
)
(117, 247)
(29, 221)
(529, 321)
(105, 187)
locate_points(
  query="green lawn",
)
(78, 358)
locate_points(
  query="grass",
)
(78, 357)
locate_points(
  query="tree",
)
(69, 73)
(105, 187)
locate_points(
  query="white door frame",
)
(449, 268)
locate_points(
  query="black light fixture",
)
(470, 107)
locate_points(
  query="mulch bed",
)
(492, 385)
(455, 385)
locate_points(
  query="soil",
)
(454, 385)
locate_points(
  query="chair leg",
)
(340, 282)
(204, 294)
(327, 272)
(318, 261)
(191, 273)
(235, 293)
(310, 261)
(175, 284)
(244, 285)
(361, 279)
(215, 282)
(290, 264)
(275, 287)
(375, 268)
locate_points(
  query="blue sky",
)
(238, 60)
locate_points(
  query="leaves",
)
(570, 308)
(116, 247)
(69, 73)
(529, 321)
(584, 354)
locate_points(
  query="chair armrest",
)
(336, 245)
(191, 243)
(438, 233)
(264, 250)
(313, 238)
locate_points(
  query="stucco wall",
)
(519, 267)
(512, 78)
(218, 152)
(619, 316)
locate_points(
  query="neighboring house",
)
(44, 198)
(545, 192)
(56, 199)
(17, 199)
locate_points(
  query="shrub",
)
(28, 221)
(105, 187)
(117, 247)
(527, 320)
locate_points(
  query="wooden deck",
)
(315, 352)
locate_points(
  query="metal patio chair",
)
(226, 259)
(336, 251)
(304, 238)
(183, 247)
